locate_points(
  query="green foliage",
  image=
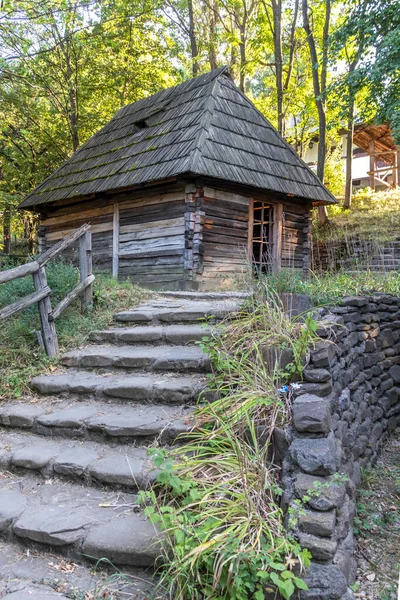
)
(331, 288)
(20, 356)
(217, 494)
(374, 26)
(373, 215)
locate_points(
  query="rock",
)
(317, 375)
(55, 525)
(12, 505)
(318, 523)
(74, 461)
(30, 592)
(320, 548)
(344, 558)
(323, 354)
(129, 541)
(328, 495)
(316, 389)
(325, 582)
(19, 415)
(311, 414)
(354, 301)
(386, 337)
(296, 304)
(72, 417)
(314, 456)
(124, 470)
(395, 374)
(34, 456)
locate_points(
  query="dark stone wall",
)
(343, 409)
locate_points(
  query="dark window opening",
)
(262, 236)
(141, 124)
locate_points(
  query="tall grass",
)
(218, 494)
(20, 355)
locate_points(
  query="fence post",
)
(85, 268)
(49, 333)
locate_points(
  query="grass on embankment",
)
(328, 289)
(373, 215)
(20, 356)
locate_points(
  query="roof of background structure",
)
(204, 126)
(381, 135)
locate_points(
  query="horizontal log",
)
(61, 245)
(21, 271)
(170, 251)
(61, 306)
(57, 235)
(78, 216)
(149, 234)
(75, 224)
(158, 243)
(15, 307)
(134, 228)
(225, 196)
(225, 222)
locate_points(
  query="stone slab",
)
(314, 455)
(34, 456)
(330, 494)
(12, 505)
(19, 414)
(129, 541)
(74, 461)
(167, 358)
(312, 414)
(122, 469)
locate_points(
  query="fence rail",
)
(41, 295)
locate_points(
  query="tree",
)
(319, 78)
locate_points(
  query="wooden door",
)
(261, 235)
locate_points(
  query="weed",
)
(217, 495)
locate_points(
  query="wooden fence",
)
(41, 295)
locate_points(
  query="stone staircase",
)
(74, 455)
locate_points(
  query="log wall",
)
(150, 236)
(177, 237)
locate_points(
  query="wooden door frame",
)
(277, 228)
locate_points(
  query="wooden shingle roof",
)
(204, 126)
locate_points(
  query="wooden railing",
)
(41, 295)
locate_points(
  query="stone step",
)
(147, 388)
(151, 334)
(90, 462)
(85, 523)
(175, 311)
(152, 358)
(99, 421)
(207, 296)
(22, 577)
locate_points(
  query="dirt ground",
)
(377, 527)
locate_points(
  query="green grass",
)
(20, 356)
(217, 495)
(377, 525)
(373, 215)
(329, 288)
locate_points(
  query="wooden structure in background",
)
(183, 188)
(384, 155)
(48, 335)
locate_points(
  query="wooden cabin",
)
(183, 189)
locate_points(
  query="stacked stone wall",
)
(346, 405)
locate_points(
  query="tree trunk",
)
(193, 42)
(212, 53)
(349, 156)
(319, 85)
(7, 229)
(277, 15)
